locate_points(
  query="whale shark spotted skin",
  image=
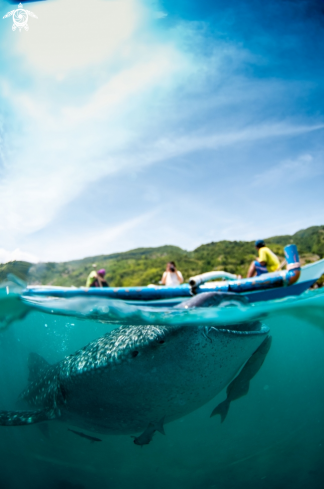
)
(136, 375)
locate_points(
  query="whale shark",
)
(136, 375)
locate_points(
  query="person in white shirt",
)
(172, 277)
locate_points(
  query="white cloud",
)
(46, 178)
(16, 255)
(166, 147)
(160, 15)
(94, 242)
(130, 82)
(288, 171)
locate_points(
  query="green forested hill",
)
(146, 265)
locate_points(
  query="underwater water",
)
(271, 437)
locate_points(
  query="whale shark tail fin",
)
(221, 409)
(37, 365)
(20, 418)
(159, 426)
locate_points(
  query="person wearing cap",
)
(266, 262)
(97, 279)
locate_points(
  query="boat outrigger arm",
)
(205, 277)
(292, 281)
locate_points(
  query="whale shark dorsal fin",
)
(37, 365)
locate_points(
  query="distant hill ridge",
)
(146, 265)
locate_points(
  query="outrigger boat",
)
(290, 282)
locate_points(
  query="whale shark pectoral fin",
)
(37, 365)
(159, 426)
(221, 409)
(239, 387)
(21, 418)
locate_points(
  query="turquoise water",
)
(272, 437)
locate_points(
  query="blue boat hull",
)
(267, 287)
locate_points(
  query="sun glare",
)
(78, 33)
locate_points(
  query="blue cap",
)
(259, 243)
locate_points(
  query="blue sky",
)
(130, 123)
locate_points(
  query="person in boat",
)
(172, 277)
(266, 262)
(97, 279)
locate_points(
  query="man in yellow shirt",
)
(266, 262)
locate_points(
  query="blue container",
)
(291, 255)
(293, 265)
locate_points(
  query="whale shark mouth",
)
(247, 328)
(243, 330)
